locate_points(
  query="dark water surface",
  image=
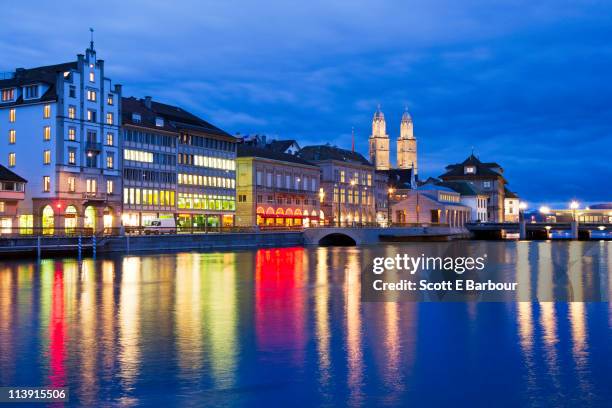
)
(287, 327)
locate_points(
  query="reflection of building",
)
(431, 204)
(12, 191)
(486, 178)
(60, 131)
(347, 183)
(275, 188)
(175, 165)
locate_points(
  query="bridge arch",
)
(337, 239)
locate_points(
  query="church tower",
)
(379, 142)
(407, 145)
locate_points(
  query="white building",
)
(471, 198)
(59, 128)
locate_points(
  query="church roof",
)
(378, 115)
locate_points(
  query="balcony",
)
(95, 196)
(93, 146)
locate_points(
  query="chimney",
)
(147, 102)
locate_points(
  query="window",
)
(242, 198)
(47, 157)
(2, 207)
(71, 112)
(469, 170)
(46, 183)
(92, 77)
(92, 95)
(12, 115)
(159, 122)
(92, 185)
(47, 111)
(71, 184)
(487, 184)
(12, 136)
(110, 187)
(342, 176)
(71, 133)
(136, 118)
(110, 159)
(109, 118)
(259, 178)
(110, 100)
(8, 94)
(71, 155)
(31, 92)
(12, 160)
(109, 139)
(91, 115)
(72, 91)
(47, 133)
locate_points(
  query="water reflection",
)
(280, 324)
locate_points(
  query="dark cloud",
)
(524, 83)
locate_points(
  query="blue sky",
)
(526, 84)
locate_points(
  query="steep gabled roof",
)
(281, 145)
(327, 152)
(8, 175)
(483, 170)
(46, 75)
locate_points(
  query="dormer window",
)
(159, 122)
(469, 170)
(31, 92)
(136, 118)
(8, 94)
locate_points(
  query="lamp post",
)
(321, 197)
(522, 224)
(389, 192)
(545, 210)
(574, 205)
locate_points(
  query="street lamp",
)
(545, 210)
(389, 192)
(574, 205)
(321, 197)
(522, 208)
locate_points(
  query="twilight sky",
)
(526, 83)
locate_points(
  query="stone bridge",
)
(373, 235)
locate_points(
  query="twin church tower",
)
(406, 143)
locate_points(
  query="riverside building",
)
(59, 128)
(276, 188)
(347, 183)
(176, 165)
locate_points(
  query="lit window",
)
(71, 112)
(470, 170)
(159, 122)
(110, 100)
(71, 184)
(109, 118)
(110, 160)
(46, 183)
(71, 133)
(110, 186)
(47, 111)
(8, 94)
(47, 157)
(92, 77)
(92, 95)
(12, 136)
(92, 185)
(12, 160)
(136, 118)
(91, 115)
(47, 133)
(31, 91)
(71, 156)
(487, 184)
(109, 139)
(12, 116)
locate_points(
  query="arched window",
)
(48, 222)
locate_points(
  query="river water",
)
(287, 327)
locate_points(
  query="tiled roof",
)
(245, 150)
(398, 178)
(281, 145)
(461, 187)
(8, 175)
(483, 170)
(175, 118)
(327, 152)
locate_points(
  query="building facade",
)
(175, 164)
(276, 189)
(12, 192)
(379, 142)
(471, 198)
(407, 145)
(431, 204)
(347, 183)
(511, 206)
(486, 178)
(60, 126)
